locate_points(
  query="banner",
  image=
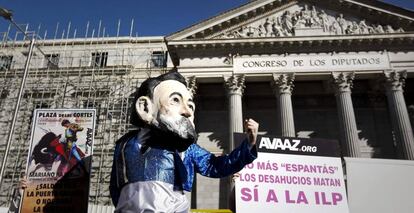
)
(59, 161)
(293, 175)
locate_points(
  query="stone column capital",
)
(235, 84)
(191, 84)
(342, 81)
(394, 80)
(283, 83)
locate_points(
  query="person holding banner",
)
(155, 164)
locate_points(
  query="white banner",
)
(291, 183)
(311, 63)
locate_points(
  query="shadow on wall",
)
(219, 139)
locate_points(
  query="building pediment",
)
(307, 20)
(287, 18)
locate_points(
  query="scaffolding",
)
(96, 71)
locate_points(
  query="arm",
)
(209, 165)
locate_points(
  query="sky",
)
(150, 17)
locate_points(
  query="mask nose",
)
(186, 111)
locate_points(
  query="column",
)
(235, 88)
(400, 120)
(342, 83)
(283, 87)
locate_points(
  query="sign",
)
(293, 175)
(311, 63)
(59, 161)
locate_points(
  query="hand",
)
(235, 176)
(23, 183)
(251, 127)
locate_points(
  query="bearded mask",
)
(170, 114)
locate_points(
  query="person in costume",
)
(154, 165)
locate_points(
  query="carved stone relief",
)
(307, 21)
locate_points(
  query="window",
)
(88, 104)
(52, 61)
(5, 62)
(3, 95)
(99, 59)
(158, 59)
(41, 105)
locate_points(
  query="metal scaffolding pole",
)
(16, 109)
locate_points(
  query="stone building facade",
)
(336, 69)
(320, 69)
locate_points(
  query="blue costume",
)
(153, 178)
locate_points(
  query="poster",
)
(59, 161)
(293, 175)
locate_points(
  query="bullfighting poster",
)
(59, 161)
(293, 175)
